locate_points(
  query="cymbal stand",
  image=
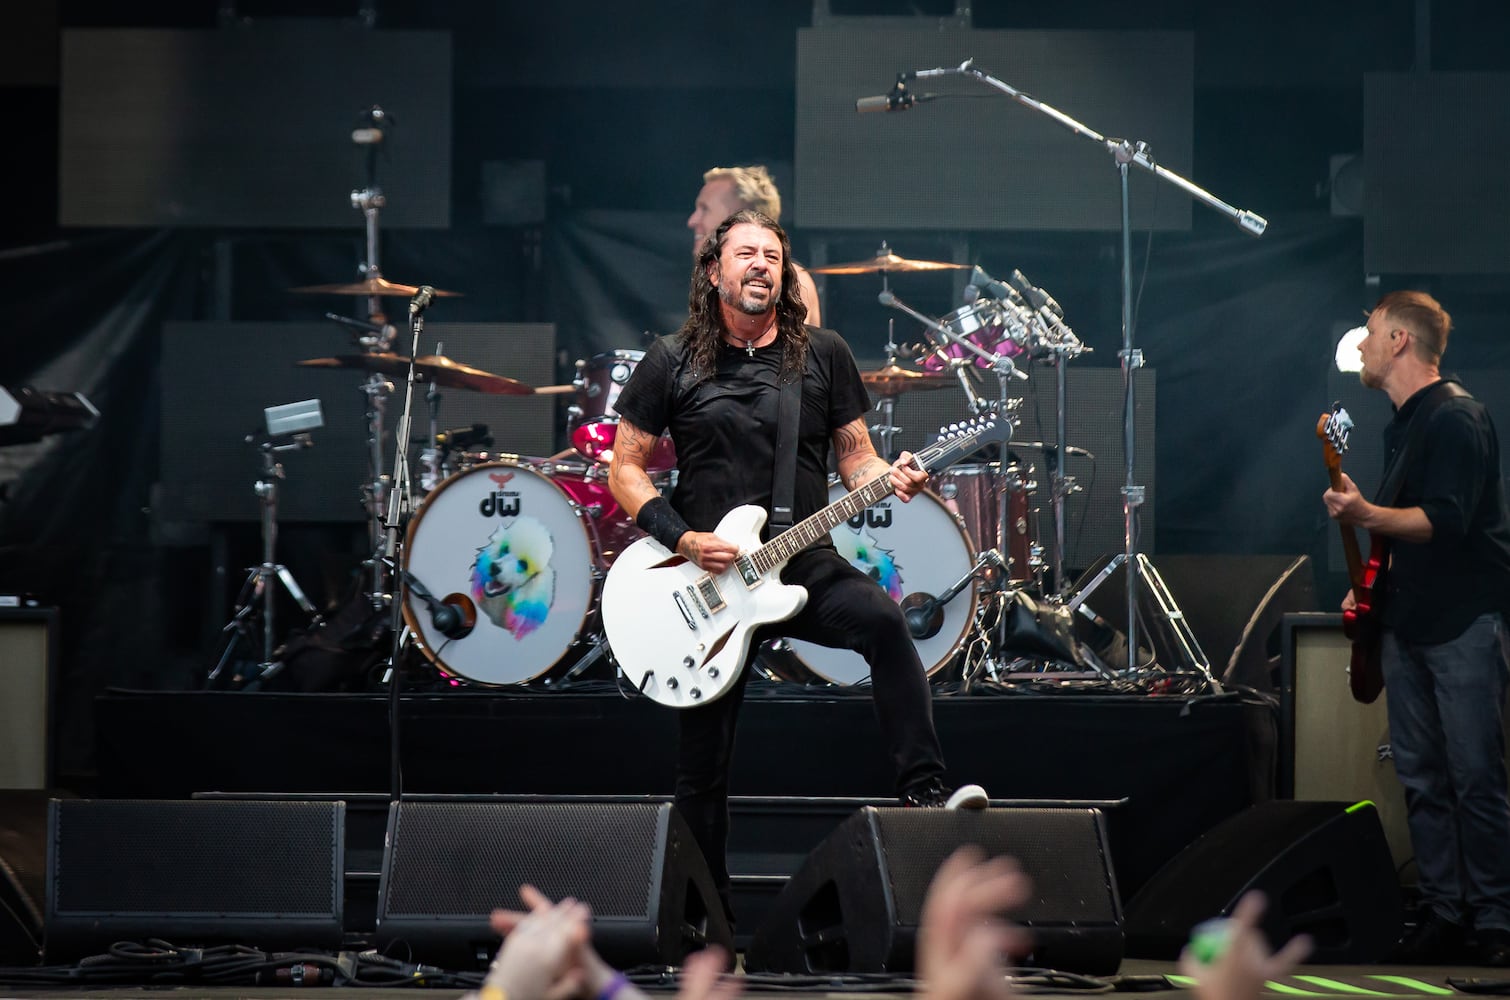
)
(887, 429)
(261, 579)
(370, 201)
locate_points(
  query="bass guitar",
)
(681, 635)
(1362, 623)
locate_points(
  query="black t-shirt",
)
(724, 427)
(1434, 590)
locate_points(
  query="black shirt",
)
(1435, 589)
(724, 427)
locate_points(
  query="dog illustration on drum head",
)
(513, 581)
(861, 549)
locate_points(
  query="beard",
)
(749, 302)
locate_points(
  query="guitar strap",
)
(784, 483)
(1394, 474)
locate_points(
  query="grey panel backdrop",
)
(984, 161)
(266, 139)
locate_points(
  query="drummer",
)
(727, 190)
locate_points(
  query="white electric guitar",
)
(681, 635)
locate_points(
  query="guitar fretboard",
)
(798, 537)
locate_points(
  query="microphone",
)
(1037, 297)
(448, 619)
(924, 614)
(900, 99)
(357, 324)
(983, 282)
(421, 300)
(462, 437)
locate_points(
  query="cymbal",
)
(435, 368)
(371, 286)
(887, 261)
(892, 380)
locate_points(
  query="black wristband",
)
(658, 519)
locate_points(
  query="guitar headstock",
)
(959, 439)
(1333, 429)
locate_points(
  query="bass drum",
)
(503, 540)
(908, 548)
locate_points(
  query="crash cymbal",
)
(371, 286)
(435, 368)
(892, 381)
(888, 262)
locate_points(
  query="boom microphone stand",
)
(1124, 152)
(400, 505)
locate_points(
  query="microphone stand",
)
(1125, 152)
(400, 505)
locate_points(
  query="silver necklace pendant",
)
(749, 348)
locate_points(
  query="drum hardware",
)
(592, 421)
(428, 368)
(1124, 152)
(287, 429)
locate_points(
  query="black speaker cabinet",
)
(449, 864)
(23, 874)
(855, 903)
(263, 874)
(1324, 866)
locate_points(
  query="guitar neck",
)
(1350, 549)
(798, 537)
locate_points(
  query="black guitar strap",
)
(784, 483)
(1394, 474)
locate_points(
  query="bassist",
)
(1443, 650)
(717, 386)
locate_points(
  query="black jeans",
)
(846, 609)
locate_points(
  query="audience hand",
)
(1244, 964)
(539, 959)
(961, 936)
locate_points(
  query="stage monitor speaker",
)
(855, 903)
(1234, 605)
(447, 865)
(263, 874)
(1325, 868)
(23, 873)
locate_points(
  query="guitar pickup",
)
(707, 589)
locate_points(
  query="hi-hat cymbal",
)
(370, 286)
(435, 368)
(892, 380)
(889, 262)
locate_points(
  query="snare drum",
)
(908, 548)
(596, 422)
(973, 493)
(525, 553)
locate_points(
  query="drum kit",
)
(503, 558)
(517, 547)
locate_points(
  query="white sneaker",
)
(968, 797)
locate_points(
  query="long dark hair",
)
(704, 329)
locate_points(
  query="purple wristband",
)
(611, 990)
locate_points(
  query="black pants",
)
(844, 609)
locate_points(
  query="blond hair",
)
(753, 187)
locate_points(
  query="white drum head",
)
(908, 548)
(509, 539)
